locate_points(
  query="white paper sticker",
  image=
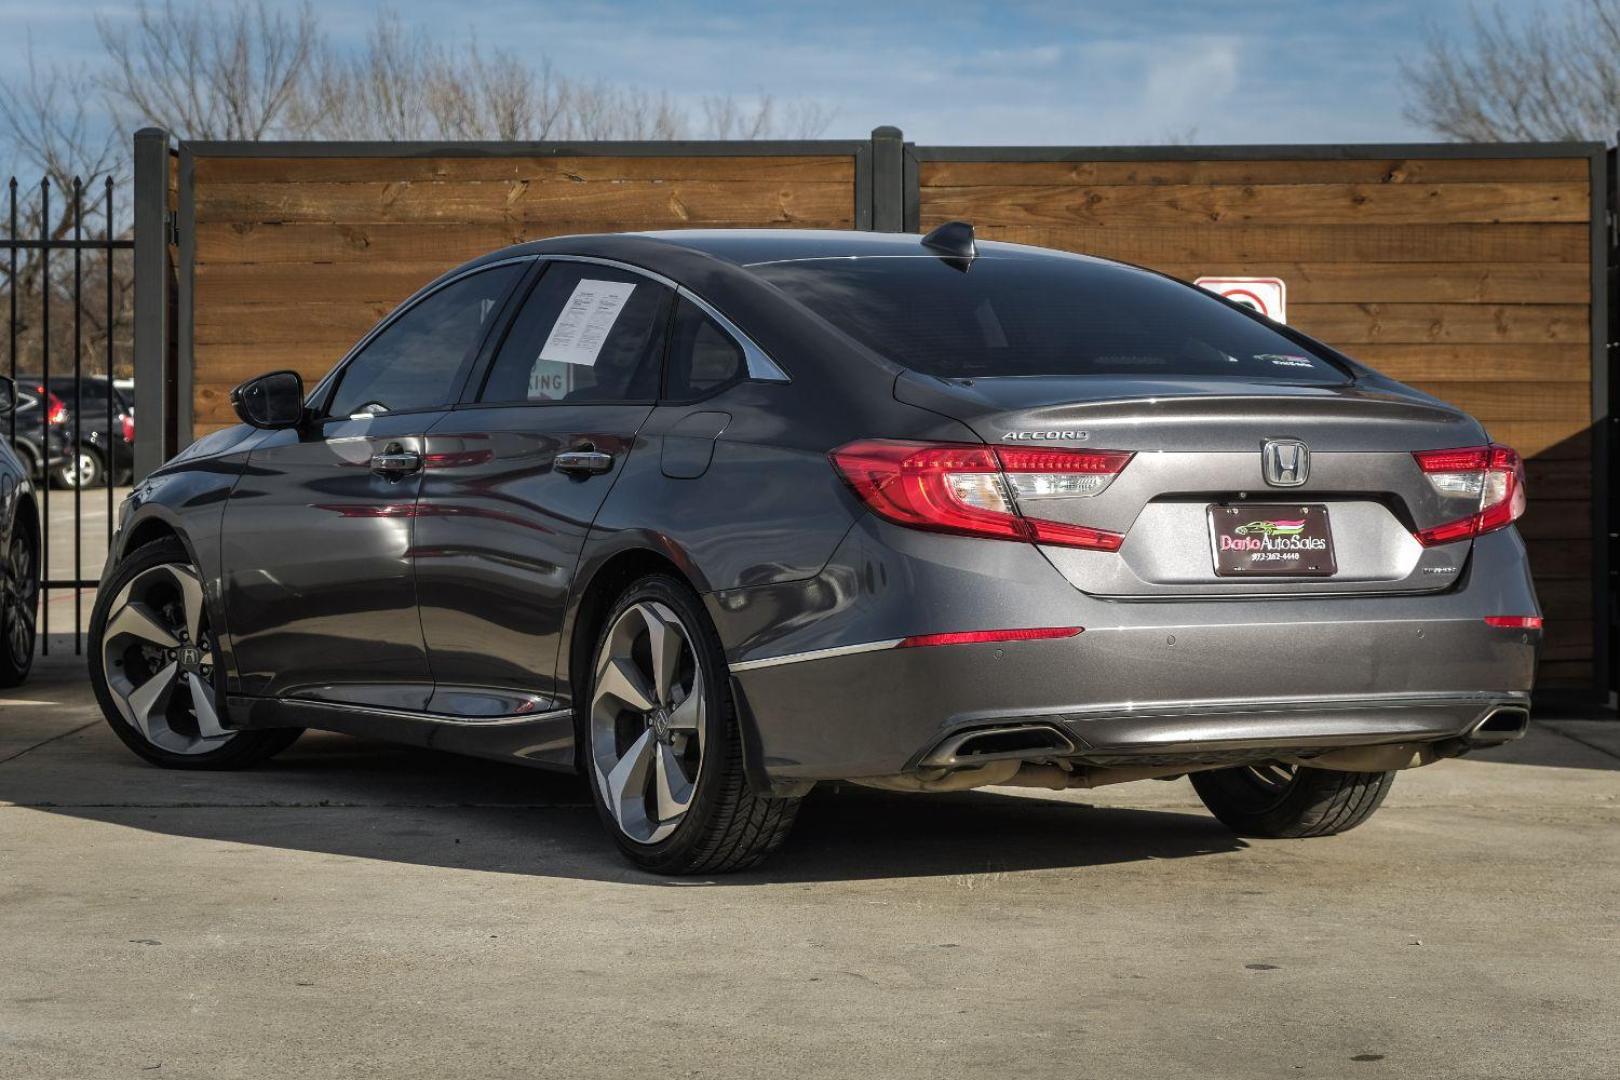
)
(586, 321)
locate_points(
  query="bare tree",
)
(209, 72)
(68, 155)
(1542, 76)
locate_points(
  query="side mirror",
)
(272, 401)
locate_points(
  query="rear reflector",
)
(1514, 622)
(1492, 477)
(984, 491)
(979, 637)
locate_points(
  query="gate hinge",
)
(171, 229)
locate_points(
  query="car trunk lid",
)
(1198, 449)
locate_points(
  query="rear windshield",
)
(1041, 316)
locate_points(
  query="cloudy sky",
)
(946, 71)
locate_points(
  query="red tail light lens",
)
(1492, 476)
(1514, 622)
(55, 410)
(979, 490)
(127, 421)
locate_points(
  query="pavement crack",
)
(47, 742)
(1589, 744)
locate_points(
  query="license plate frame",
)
(1250, 540)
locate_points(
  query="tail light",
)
(55, 410)
(980, 491)
(1491, 476)
(127, 423)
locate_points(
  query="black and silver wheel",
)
(663, 751)
(155, 670)
(19, 606)
(1275, 800)
(83, 469)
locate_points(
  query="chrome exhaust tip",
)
(1013, 742)
(1500, 725)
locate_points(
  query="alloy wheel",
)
(1272, 777)
(81, 472)
(19, 600)
(647, 721)
(159, 660)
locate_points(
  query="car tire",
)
(1287, 802)
(19, 606)
(152, 609)
(82, 470)
(668, 781)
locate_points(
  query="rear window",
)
(1041, 316)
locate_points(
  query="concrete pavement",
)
(353, 909)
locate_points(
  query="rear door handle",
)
(395, 462)
(586, 462)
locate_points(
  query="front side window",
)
(1012, 315)
(703, 358)
(586, 334)
(416, 361)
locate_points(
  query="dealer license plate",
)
(1263, 540)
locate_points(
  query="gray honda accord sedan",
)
(712, 516)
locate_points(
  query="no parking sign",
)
(1267, 295)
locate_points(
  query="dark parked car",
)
(104, 438)
(32, 418)
(713, 516)
(19, 556)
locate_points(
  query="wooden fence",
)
(1474, 273)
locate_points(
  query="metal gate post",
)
(154, 303)
(888, 180)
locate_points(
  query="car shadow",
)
(335, 795)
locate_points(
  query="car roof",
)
(663, 250)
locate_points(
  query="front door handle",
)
(585, 462)
(395, 462)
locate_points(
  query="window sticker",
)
(1284, 359)
(586, 320)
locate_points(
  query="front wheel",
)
(662, 745)
(155, 671)
(1272, 800)
(19, 604)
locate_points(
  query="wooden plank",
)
(1566, 639)
(227, 365)
(332, 283)
(1548, 518)
(931, 174)
(609, 204)
(1461, 324)
(1562, 441)
(1498, 363)
(254, 242)
(1565, 598)
(1191, 244)
(268, 320)
(1315, 204)
(1551, 559)
(822, 168)
(1553, 478)
(1564, 402)
(1414, 283)
(1564, 675)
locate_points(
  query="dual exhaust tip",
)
(1501, 724)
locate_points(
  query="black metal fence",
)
(62, 277)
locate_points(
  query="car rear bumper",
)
(1155, 680)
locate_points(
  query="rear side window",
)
(416, 361)
(586, 334)
(703, 358)
(1041, 315)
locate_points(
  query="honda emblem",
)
(1286, 462)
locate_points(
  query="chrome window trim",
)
(394, 316)
(761, 368)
